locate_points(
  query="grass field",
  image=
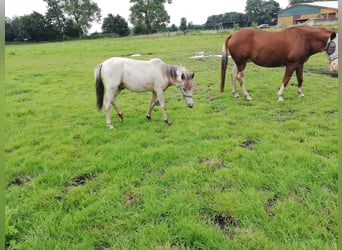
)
(228, 174)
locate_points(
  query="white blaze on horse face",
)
(332, 52)
(334, 66)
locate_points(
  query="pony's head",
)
(332, 52)
(186, 86)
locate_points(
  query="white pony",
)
(116, 74)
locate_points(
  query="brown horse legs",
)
(299, 74)
(240, 76)
(288, 72)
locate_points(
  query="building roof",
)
(307, 8)
(324, 4)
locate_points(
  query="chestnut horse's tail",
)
(99, 87)
(224, 62)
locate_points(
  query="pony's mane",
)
(170, 72)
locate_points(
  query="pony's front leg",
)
(160, 96)
(152, 104)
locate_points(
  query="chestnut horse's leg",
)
(299, 74)
(234, 76)
(240, 77)
(152, 104)
(288, 73)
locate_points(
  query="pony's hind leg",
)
(152, 104)
(107, 103)
(116, 107)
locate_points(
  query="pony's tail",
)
(224, 62)
(99, 87)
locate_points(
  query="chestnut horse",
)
(291, 47)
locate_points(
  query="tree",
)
(83, 13)
(173, 28)
(33, 27)
(115, 24)
(149, 16)
(228, 20)
(10, 34)
(183, 26)
(260, 11)
(55, 15)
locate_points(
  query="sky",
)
(195, 11)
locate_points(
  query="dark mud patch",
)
(80, 180)
(248, 144)
(225, 221)
(269, 204)
(20, 180)
(331, 112)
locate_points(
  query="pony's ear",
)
(333, 36)
(192, 75)
(183, 76)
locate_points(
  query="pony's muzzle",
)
(190, 105)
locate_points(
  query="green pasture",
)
(228, 174)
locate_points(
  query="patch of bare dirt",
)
(20, 180)
(248, 144)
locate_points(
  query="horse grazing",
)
(332, 54)
(116, 74)
(291, 47)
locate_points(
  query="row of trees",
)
(73, 18)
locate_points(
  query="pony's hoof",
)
(301, 95)
(236, 96)
(168, 122)
(148, 117)
(120, 116)
(249, 98)
(110, 126)
(280, 99)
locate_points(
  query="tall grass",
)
(228, 174)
